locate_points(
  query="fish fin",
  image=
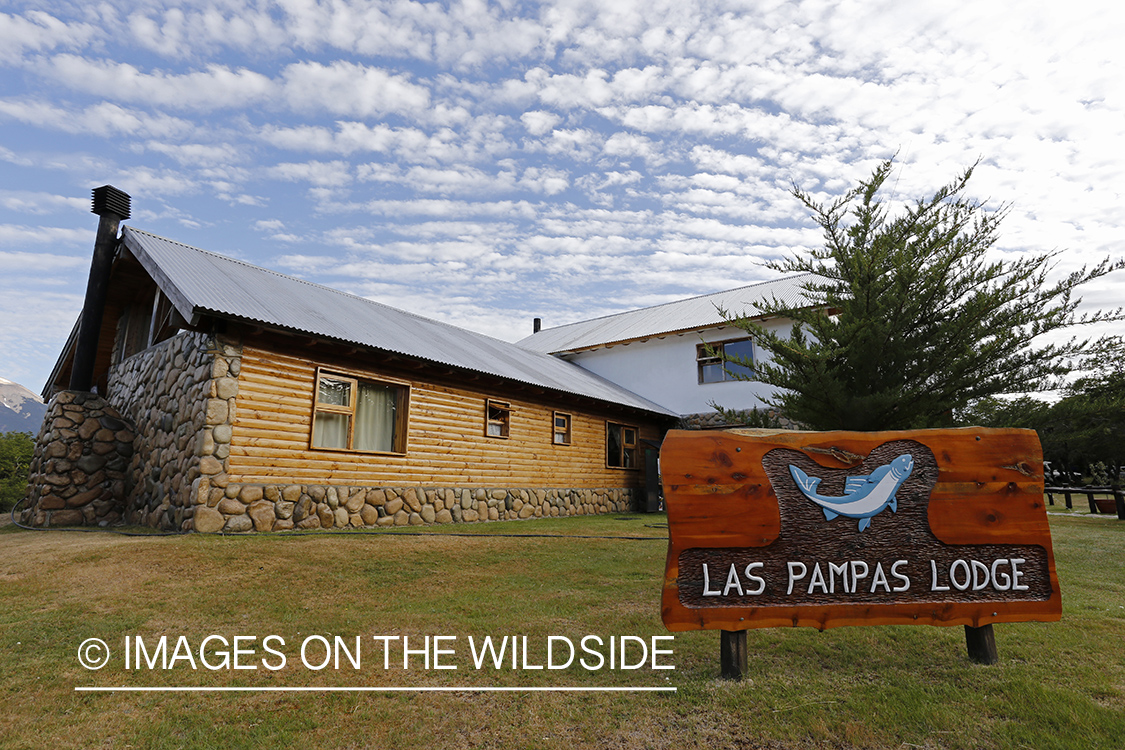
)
(828, 515)
(853, 485)
(864, 523)
(894, 504)
(804, 482)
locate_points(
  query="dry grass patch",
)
(1058, 685)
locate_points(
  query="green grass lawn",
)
(1058, 685)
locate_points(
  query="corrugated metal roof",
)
(204, 283)
(681, 315)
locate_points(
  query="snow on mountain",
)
(20, 409)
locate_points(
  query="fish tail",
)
(805, 483)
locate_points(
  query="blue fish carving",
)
(864, 496)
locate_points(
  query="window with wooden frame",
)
(498, 415)
(561, 430)
(714, 363)
(353, 413)
(620, 446)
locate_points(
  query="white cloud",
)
(584, 151)
(38, 31)
(451, 209)
(539, 122)
(13, 235)
(31, 202)
(20, 262)
(176, 32)
(345, 88)
(630, 146)
(199, 154)
(100, 119)
(318, 173)
(216, 87)
(544, 180)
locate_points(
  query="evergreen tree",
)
(16, 450)
(911, 318)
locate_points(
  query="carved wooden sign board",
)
(783, 528)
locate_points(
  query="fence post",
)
(1119, 499)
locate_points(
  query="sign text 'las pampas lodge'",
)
(782, 528)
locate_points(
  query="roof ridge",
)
(325, 287)
(674, 302)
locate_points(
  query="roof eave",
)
(659, 335)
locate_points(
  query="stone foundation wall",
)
(272, 507)
(713, 420)
(78, 474)
(175, 392)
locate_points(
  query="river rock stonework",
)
(181, 394)
(240, 508)
(714, 420)
(78, 474)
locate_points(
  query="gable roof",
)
(200, 283)
(690, 314)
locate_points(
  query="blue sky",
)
(485, 163)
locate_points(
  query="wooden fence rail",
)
(1113, 493)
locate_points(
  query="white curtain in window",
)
(375, 417)
(330, 430)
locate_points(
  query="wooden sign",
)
(784, 528)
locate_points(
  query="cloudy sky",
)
(487, 162)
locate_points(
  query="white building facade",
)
(659, 352)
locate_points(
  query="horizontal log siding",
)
(446, 445)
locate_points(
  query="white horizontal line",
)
(362, 689)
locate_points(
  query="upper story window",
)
(712, 368)
(498, 416)
(620, 446)
(561, 430)
(357, 414)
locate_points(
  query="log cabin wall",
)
(450, 471)
(446, 442)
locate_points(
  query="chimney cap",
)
(110, 200)
(536, 325)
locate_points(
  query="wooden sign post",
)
(824, 529)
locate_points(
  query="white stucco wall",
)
(663, 369)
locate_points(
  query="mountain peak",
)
(21, 410)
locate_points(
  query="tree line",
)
(1083, 434)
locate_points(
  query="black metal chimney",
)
(112, 205)
(536, 325)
